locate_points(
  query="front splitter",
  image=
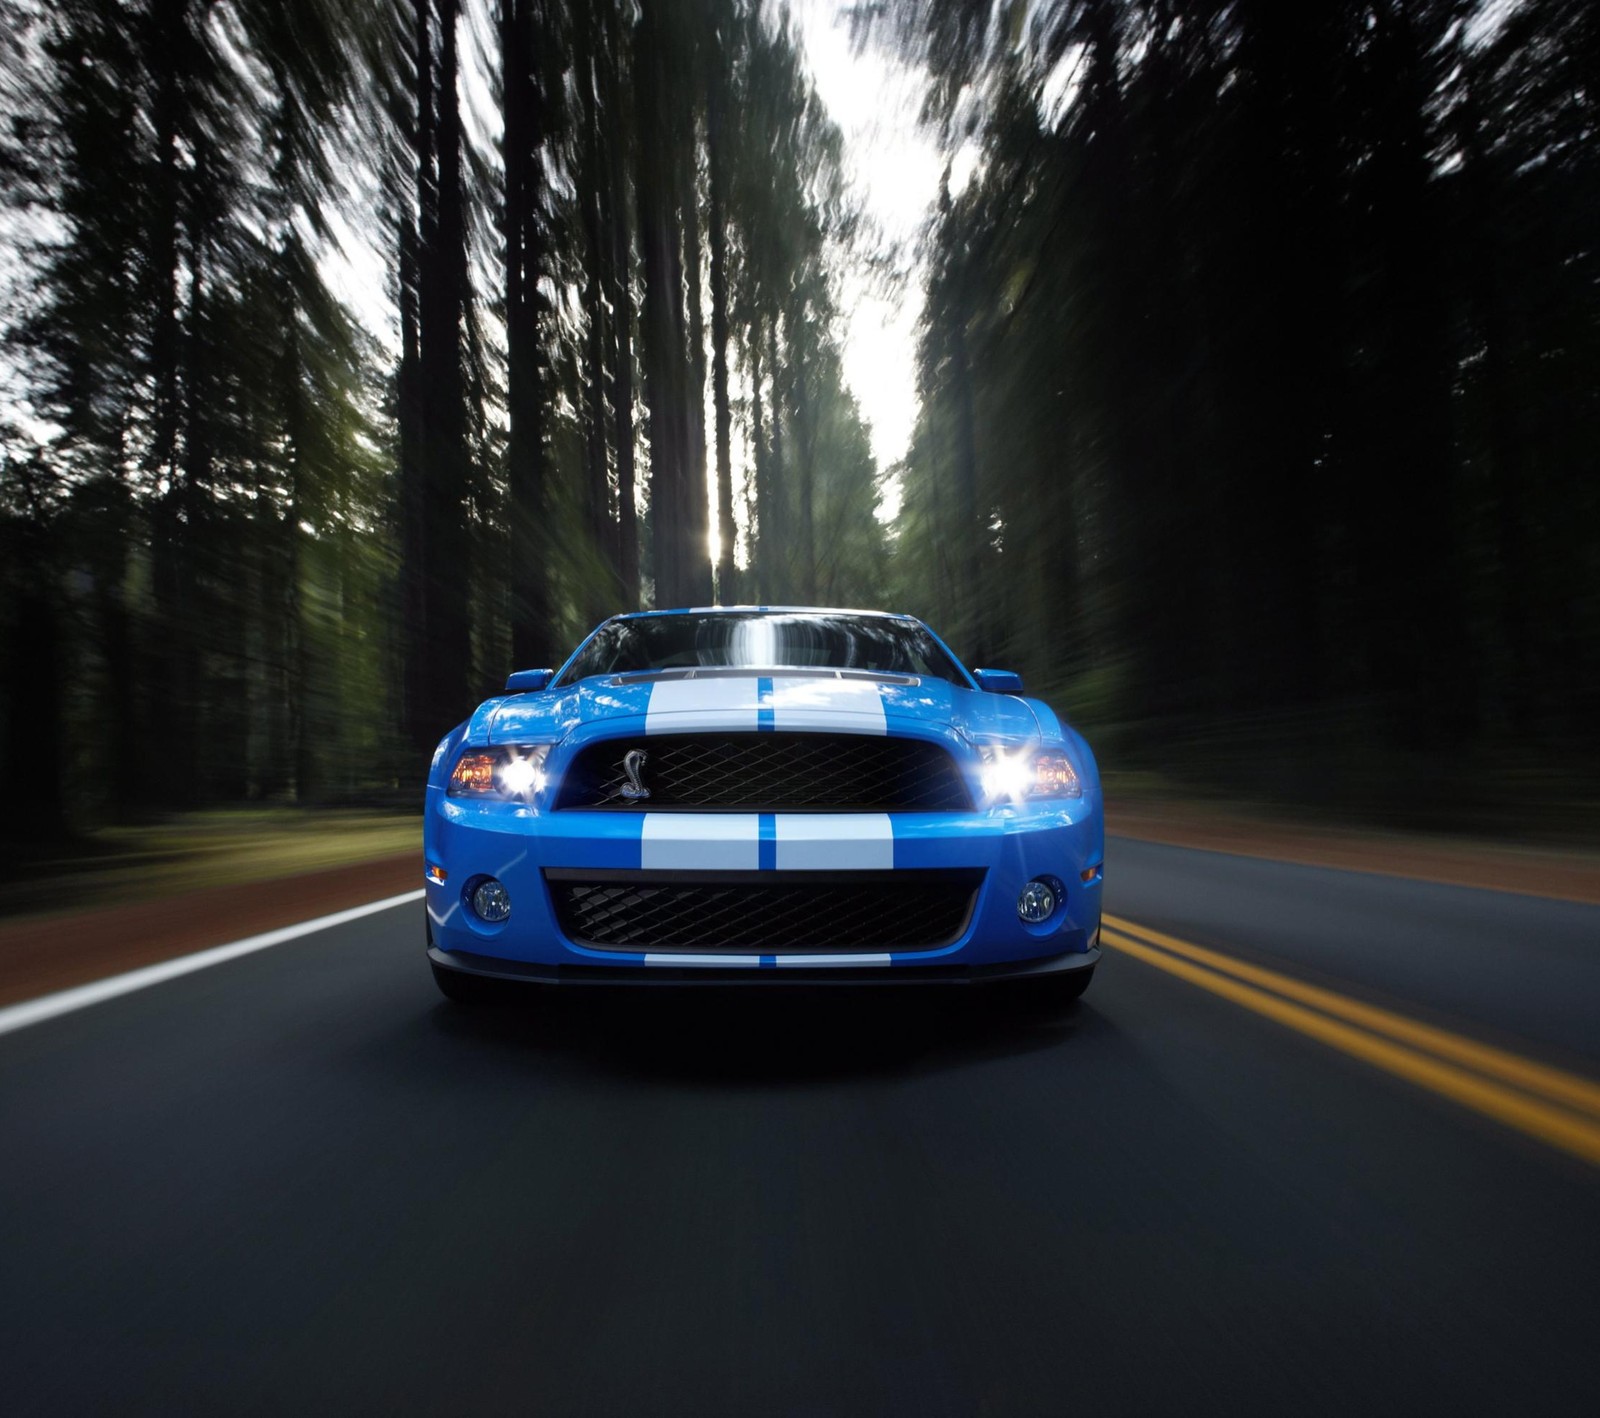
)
(633, 976)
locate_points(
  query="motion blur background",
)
(355, 354)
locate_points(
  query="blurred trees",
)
(271, 523)
(1260, 376)
(355, 353)
(200, 458)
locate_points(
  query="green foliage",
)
(256, 550)
(216, 557)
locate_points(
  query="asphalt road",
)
(301, 1183)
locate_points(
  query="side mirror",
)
(998, 681)
(527, 681)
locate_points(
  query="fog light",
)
(1037, 901)
(491, 902)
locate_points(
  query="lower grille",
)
(783, 911)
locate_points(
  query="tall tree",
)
(619, 295)
(717, 231)
(524, 99)
(436, 546)
(661, 141)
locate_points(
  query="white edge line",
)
(36, 1011)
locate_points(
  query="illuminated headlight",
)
(1014, 774)
(513, 773)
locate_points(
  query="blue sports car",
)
(759, 795)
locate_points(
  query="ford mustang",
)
(763, 796)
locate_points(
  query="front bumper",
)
(468, 840)
(490, 967)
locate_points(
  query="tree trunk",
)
(974, 532)
(697, 515)
(167, 51)
(597, 480)
(614, 200)
(805, 437)
(446, 296)
(33, 750)
(758, 530)
(416, 228)
(769, 500)
(531, 638)
(666, 377)
(727, 590)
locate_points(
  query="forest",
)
(1260, 390)
(1259, 378)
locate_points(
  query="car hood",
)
(721, 701)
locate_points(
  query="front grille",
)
(776, 772)
(783, 911)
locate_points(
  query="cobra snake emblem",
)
(632, 766)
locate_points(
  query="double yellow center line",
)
(1555, 1107)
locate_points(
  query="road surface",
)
(1314, 1142)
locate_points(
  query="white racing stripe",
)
(833, 960)
(817, 702)
(700, 841)
(683, 705)
(35, 1011)
(732, 703)
(749, 962)
(835, 841)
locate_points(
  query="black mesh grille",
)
(784, 911)
(777, 772)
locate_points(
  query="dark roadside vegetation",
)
(1260, 377)
(1268, 363)
(183, 853)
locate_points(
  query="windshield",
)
(759, 640)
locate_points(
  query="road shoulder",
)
(42, 954)
(1563, 875)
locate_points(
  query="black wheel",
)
(465, 989)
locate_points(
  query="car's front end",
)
(763, 823)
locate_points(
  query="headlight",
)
(1014, 774)
(513, 773)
